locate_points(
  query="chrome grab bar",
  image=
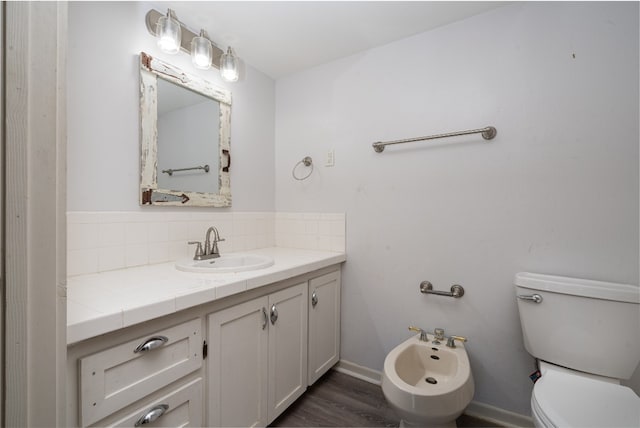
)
(535, 298)
(456, 290)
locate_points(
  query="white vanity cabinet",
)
(240, 360)
(257, 361)
(324, 324)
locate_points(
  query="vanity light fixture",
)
(201, 52)
(173, 35)
(169, 33)
(229, 66)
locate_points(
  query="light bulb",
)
(229, 66)
(201, 51)
(169, 34)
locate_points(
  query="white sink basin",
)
(226, 263)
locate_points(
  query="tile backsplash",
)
(310, 231)
(102, 241)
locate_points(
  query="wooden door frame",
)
(34, 202)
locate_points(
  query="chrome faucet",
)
(210, 247)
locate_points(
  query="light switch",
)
(331, 158)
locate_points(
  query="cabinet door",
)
(237, 365)
(287, 347)
(324, 324)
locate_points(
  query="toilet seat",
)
(563, 399)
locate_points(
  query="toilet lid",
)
(569, 400)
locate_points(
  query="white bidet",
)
(428, 384)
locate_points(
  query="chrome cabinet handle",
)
(152, 415)
(151, 344)
(265, 321)
(314, 299)
(535, 298)
(274, 314)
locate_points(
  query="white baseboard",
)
(359, 372)
(476, 409)
(498, 416)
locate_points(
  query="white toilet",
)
(586, 337)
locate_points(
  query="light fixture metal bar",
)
(151, 19)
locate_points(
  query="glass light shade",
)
(201, 52)
(169, 34)
(229, 66)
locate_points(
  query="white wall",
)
(555, 192)
(105, 40)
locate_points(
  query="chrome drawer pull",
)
(535, 298)
(314, 299)
(274, 314)
(152, 415)
(151, 344)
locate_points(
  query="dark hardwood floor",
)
(339, 400)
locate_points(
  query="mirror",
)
(184, 138)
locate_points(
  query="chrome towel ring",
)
(306, 161)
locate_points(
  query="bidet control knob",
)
(423, 334)
(451, 340)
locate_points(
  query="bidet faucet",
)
(423, 333)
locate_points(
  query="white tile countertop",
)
(103, 302)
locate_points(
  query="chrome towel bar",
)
(488, 133)
(171, 171)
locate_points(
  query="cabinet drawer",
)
(118, 376)
(179, 408)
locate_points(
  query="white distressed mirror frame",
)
(150, 70)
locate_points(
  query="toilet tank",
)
(585, 325)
